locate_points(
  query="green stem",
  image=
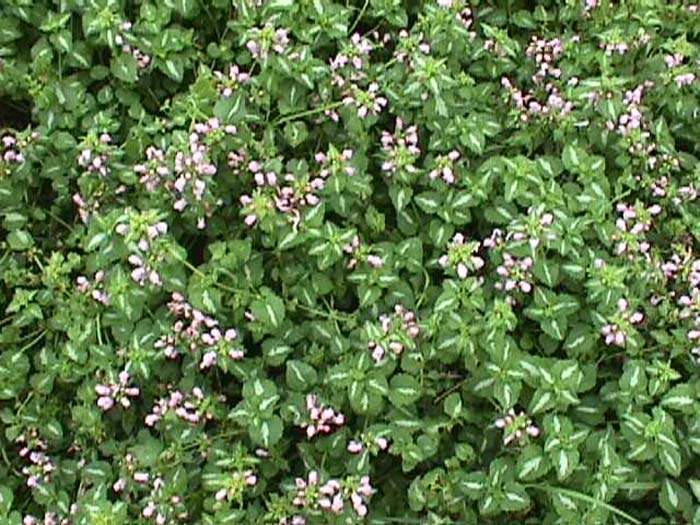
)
(411, 521)
(588, 499)
(425, 288)
(328, 315)
(58, 219)
(359, 17)
(34, 341)
(639, 485)
(99, 330)
(201, 274)
(306, 113)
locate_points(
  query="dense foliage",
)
(355, 261)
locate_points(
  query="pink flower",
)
(105, 403)
(354, 447)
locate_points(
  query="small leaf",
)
(404, 389)
(125, 68)
(20, 240)
(453, 405)
(300, 375)
(681, 398)
(674, 498)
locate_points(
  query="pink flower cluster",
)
(348, 65)
(529, 106)
(368, 102)
(50, 518)
(444, 167)
(162, 506)
(590, 5)
(408, 46)
(616, 333)
(87, 206)
(323, 419)
(533, 103)
(96, 160)
(226, 85)
(237, 160)
(125, 40)
(360, 253)
(674, 61)
(194, 330)
(634, 130)
(188, 407)
(193, 171)
(238, 481)
(535, 229)
(397, 331)
(400, 149)
(463, 14)
(145, 259)
(517, 427)
(12, 150)
(335, 162)
(461, 256)
(95, 288)
(267, 38)
(516, 274)
(332, 495)
(690, 301)
(33, 449)
(545, 53)
(632, 225)
(155, 170)
(614, 47)
(288, 194)
(367, 442)
(118, 392)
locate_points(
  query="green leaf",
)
(474, 140)
(125, 68)
(572, 156)
(229, 109)
(6, 498)
(20, 240)
(429, 201)
(266, 432)
(276, 351)
(147, 450)
(565, 461)
(295, 133)
(541, 400)
(473, 485)
(410, 254)
(404, 389)
(363, 400)
(555, 327)
(515, 498)
(695, 487)
(681, 398)
(400, 196)
(670, 459)
(446, 301)
(300, 375)
(546, 271)
(184, 7)
(452, 405)
(532, 463)
(673, 498)
(173, 67)
(268, 310)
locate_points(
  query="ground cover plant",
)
(355, 261)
